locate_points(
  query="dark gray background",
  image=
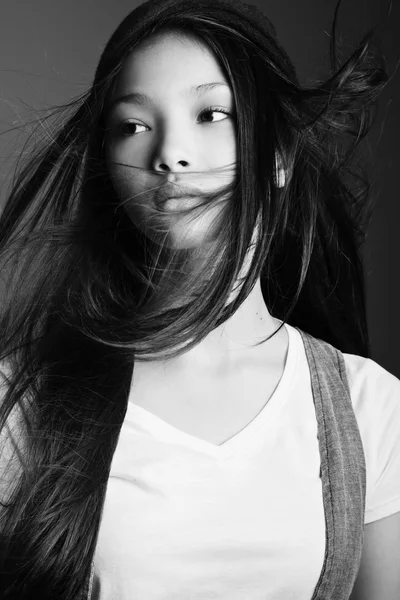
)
(49, 50)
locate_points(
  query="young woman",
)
(189, 406)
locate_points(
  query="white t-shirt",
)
(185, 519)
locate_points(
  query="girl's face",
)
(172, 112)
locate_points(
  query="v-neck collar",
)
(158, 427)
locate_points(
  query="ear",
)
(281, 175)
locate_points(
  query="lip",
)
(177, 204)
(176, 191)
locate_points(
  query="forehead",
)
(164, 60)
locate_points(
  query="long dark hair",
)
(85, 293)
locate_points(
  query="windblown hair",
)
(86, 293)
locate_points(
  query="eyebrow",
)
(141, 99)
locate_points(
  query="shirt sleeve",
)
(375, 394)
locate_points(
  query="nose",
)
(168, 165)
(172, 154)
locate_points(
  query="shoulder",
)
(366, 377)
(375, 396)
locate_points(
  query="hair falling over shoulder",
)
(85, 293)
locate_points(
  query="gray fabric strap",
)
(343, 470)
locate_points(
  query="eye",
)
(126, 128)
(215, 110)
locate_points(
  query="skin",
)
(173, 139)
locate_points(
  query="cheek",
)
(127, 152)
(126, 179)
(123, 181)
(126, 185)
(222, 149)
(134, 189)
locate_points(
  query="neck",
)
(232, 341)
